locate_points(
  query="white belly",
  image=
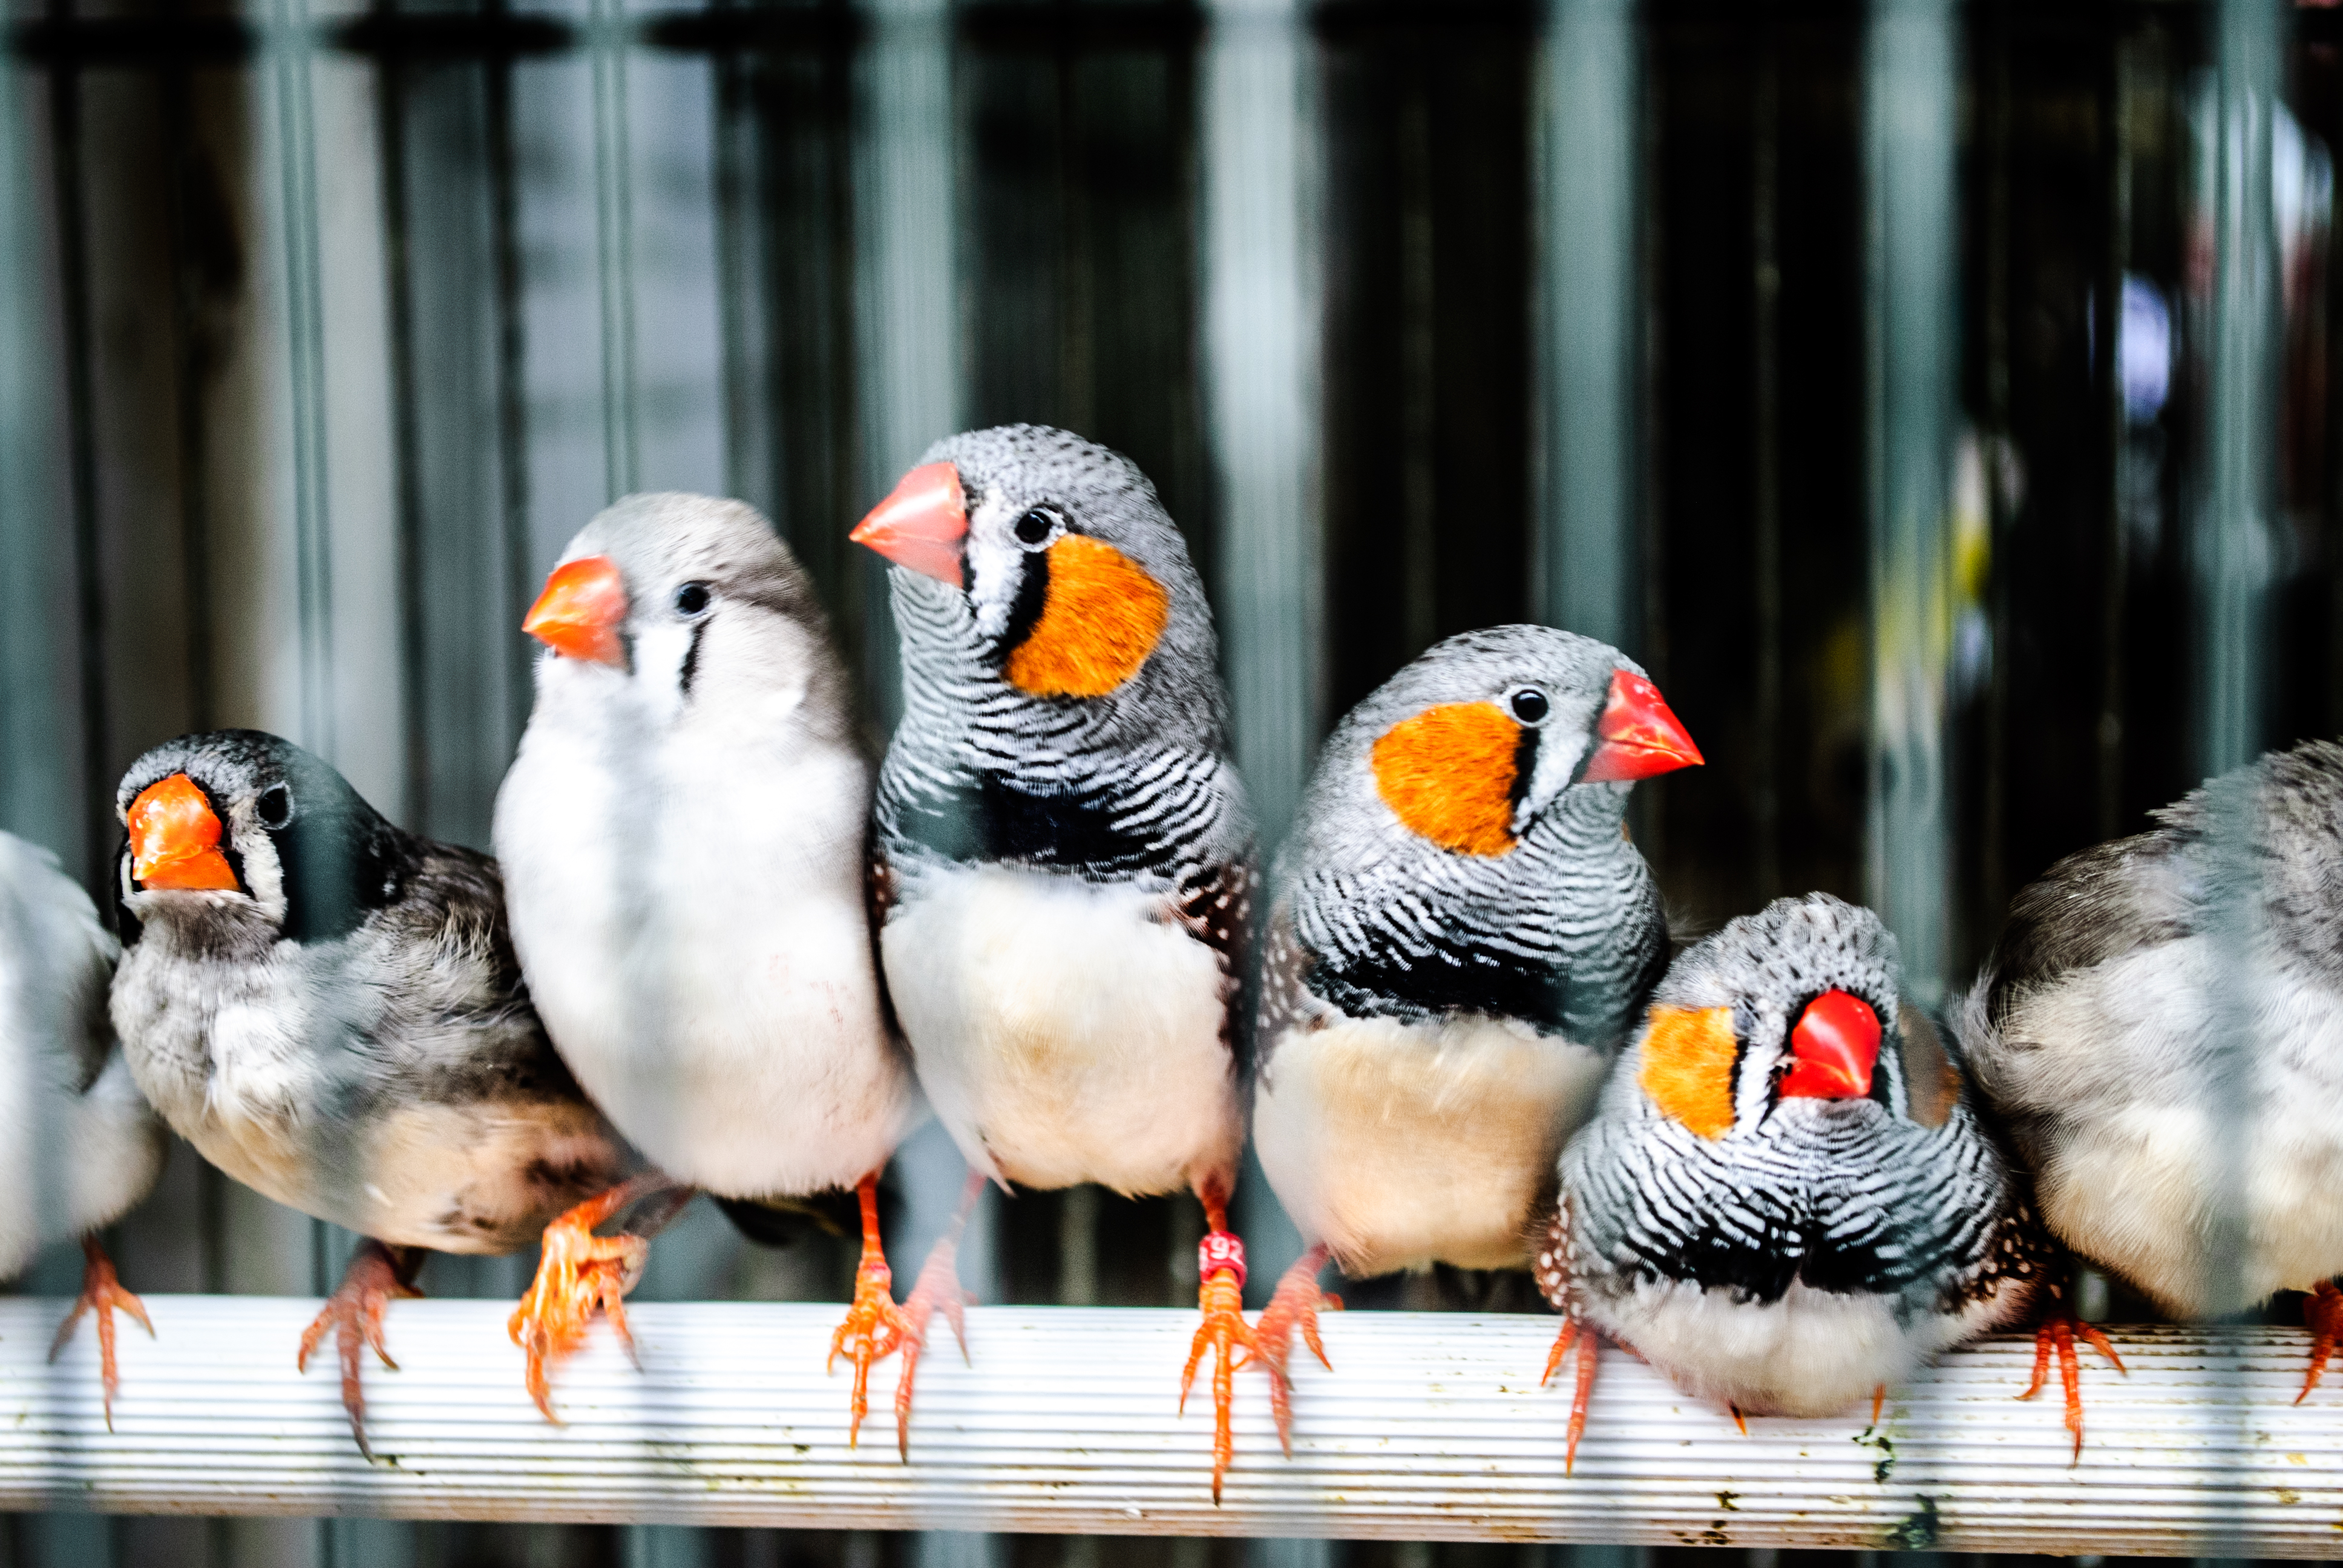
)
(1401, 1145)
(1066, 1032)
(1811, 1353)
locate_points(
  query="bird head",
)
(1047, 562)
(1475, 743)
(1790, 1013)
(239, 826)
(672, 604)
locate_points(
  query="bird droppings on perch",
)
(1433, 1426)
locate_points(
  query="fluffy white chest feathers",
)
(2149, 1158)
(1404, 1144)
(691, 918)
(1066, 1032)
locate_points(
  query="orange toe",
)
(2056, 1335)
(876, 1328)
(377, 1276)
(1296, 1304)
(1221, 1297)
(579, 1274)
(1590, 1346)
(101, 1293)
(2322, 1313)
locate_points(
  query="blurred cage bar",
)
(1935, 398)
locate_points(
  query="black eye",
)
(274, 807)
(691, 600)
(1035, 526)
(1530, 706)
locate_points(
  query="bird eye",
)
(1037, 527)
(1530, 705)
(691, 600)
(274, 807)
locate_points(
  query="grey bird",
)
(329, 1009)
(1787, 1199)
(1461, 936)
(77, 1143)
(685, 837)
(1064, 850)
(2161, 1023)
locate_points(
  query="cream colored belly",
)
(1401, 1145)
(1064, 1033)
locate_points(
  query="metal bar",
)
(2232, 545)
(1587, 577)
(1911, 60)
(1433, 1426)
(614, 247)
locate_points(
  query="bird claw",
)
(876, 1328)
(1296, 1303)
(579, 1274)
(101, 1293)
(354, 1314)
(1590, 1346)
(2322, 1313)
(2056, 1333)
(1221, 1297)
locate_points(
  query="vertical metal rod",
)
(182, 157)
(512, 378)
(1765, 403)
(1258, 129)
(615, 245)
(80, 433)
(290, 49)
(2115, 565)
(2232, 547)
(1910, 59)
(909, 349)
(1587, 221)
(390, 98)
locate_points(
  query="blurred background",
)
(1935, 398)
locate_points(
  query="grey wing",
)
(56, 961)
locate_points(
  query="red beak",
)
(1640, 737)
(580, 612)
(174, 839)
(1833, 1049)
(923, 524)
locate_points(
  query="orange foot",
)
(1296, 1304)
(876, 1328)
(1589, 1347)
(101, 1293)
(2322, 1312)
(2059, 1333)
(1220, 1293)
(579, 1274)
(377, 1275)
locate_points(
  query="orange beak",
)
(174, 839)
(1640, 737)
(1833, 1049)
(923, 524)
(580, 612)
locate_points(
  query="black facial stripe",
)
(691, 657)
(1032, 594)
(127, 926)
(1525, 765)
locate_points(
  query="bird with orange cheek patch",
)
(1787, 1200)
(1461, 937)
(1065, 852)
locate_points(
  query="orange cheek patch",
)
(1688, 1066)
(1448, 774)
(1102, 618)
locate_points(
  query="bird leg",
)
(1297, 1303)
(2322, 1312)
(875, 1327)
(579, 1274)
(1220, 1295)
(2057, 1333)
(101, 1292)
(1589, 1347)
(377, 1275)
